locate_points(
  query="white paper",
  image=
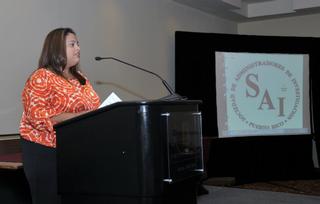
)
(112, 98)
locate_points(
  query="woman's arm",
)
(65, 116)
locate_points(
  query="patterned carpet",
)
(306, 187)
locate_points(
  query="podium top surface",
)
(128, 104)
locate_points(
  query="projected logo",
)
(265, 95)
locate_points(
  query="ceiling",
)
(252, 10)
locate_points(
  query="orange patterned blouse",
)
(46, 95)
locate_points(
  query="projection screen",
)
(262, 94)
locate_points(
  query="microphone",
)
(171, 97)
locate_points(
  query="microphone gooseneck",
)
(172, 96)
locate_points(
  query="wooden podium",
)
(131, 153)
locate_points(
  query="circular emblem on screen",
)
(265, 95)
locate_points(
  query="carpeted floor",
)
(231, 195)
(306, 187)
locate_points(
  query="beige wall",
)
(305, 26)
(138, 31)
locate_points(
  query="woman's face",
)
(72, 50)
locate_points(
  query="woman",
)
(55, 92)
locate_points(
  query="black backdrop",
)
(246, 157)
